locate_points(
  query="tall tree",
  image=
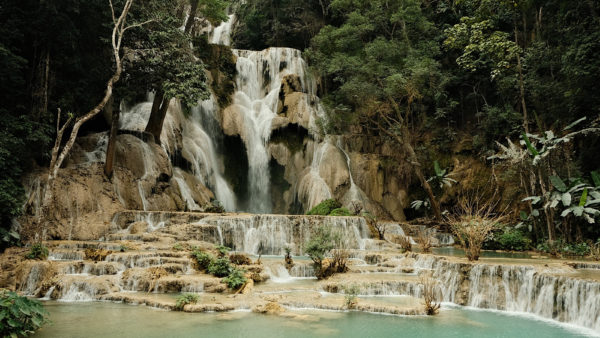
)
(380, 63)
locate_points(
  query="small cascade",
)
(312, 188)
(221, 35)
(199, 149)
(278, 273)
(355, 194)
(271, 234)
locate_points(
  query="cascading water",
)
(258, 83)
(221, 35)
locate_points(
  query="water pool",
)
(101, 319)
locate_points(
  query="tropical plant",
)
(9, 238)
(185, 299)
(442, 177)
(20, 316)
(340, 212)
(236, 279)
(405, 243)
(37, 251)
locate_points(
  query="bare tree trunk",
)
(58, 155)
(40, 85)
(522, 86)
(112, 144)
(191, 18)
(157, 115)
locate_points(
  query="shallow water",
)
(118, 320)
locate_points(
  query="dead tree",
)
(58, 154)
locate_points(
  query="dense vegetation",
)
(20, 316)
(465, 75)
(438, 78)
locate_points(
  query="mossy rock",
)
(340, 212)
(325, 208)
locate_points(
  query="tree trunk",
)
(522, 86)
(191, 18)
(112, 144)
(157, 115)
(40, 85)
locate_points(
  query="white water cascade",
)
(221, 35)
(257, 96)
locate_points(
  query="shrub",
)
(432, 306)
(235, 279)
(178, 247)
(240, 259)
(319, 244)
(340, 212)
(37, 251)
(350, 298)
(424, 241)
(220, 267)
(513, 240)
(204, 259)
(404, 242)
(595, 251)
(20, 316)
(223, 250)
(185, 299)
(325, 208)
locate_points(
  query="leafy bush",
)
(185, 299)
(214, 207)
(325, 208)
(220, 267)
(178, 247)
(235, 279)
(513, 240)
(223, 250)
(240, 259)
(560, 248)
(204, 259)
(37, 251)
(320, 243)
(340, 212)
(20, 316)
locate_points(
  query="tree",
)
(380, 65)
(58, 155)
(169, 61)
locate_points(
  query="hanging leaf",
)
(584, 197)
(566, 199)
(595, 178)
(438, 170)
(558, 183)
(523, 215)
(578, 211)
(531, 148)
(575, 123)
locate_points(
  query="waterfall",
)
(355, 194)
(221, 35)
(199, 149)
(258, 84)
(312, 188)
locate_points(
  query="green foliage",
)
(223, 250)
(325, 208)
(321, 242)
(281, 23)
(185, 299)
(220, 267)
(204, 259)
(9, 238)
(513, 240)
(340, 212)
(560, 248)
(235, 279)
(178, 247)
(37, 251)
(20, 316)
(214, 207)
(441, 178)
